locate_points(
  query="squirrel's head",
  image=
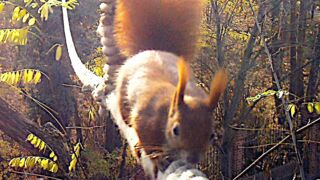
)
(190, 119)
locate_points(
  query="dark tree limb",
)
(275, 147)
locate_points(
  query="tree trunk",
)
(232, 109)
(293, 48)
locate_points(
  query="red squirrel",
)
(154, 88)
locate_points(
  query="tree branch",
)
(284, 102)
(274, 147)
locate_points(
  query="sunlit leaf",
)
(30, 137)
(25, 17)
(52, 154)
(32, 162)
(317, 107)
(29, 76)
(58, 52)
(38, 143)
(34, 140)
(37, 77)
(72, 165)
(1, 7)
(44, 163)
(32, 21)
(54, 168)
(55, 158)
(22, 161)
(42, 145)
(27, 163)
(310, 107)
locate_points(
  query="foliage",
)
(25, 76)
(75, 156)
(29, 162)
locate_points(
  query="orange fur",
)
(218, 85)
(165, 25)
(155, 93)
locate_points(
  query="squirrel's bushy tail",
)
(166, 25)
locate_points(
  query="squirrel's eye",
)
(176, 130)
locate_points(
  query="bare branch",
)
(284, 102)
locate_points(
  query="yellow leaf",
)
(25, 17)
(29, 76)
(32, 162)
(34, 140)
(27, 163)
(34, 5)
(15, 13)
(317, 107)
(58, 52)
(37, 77)
(21, 14)
(30, 137)
(22, 161)
(72, 165)
(52, 154)
(4, 77)
(44, 163)
(32, 21)
(55, 158)
(38, 143)
(12, 78)
(17, 77)
(44, 11)
(293, 110)
(14, 162)
(42, 145)
(54, 168)
(1, 7)
(310, 107)
(37, 160)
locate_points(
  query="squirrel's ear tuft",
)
(218, 85)
(183, 70)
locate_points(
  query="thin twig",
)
(274, 147)
(85, 127)
(33, 174)
(292, 131)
